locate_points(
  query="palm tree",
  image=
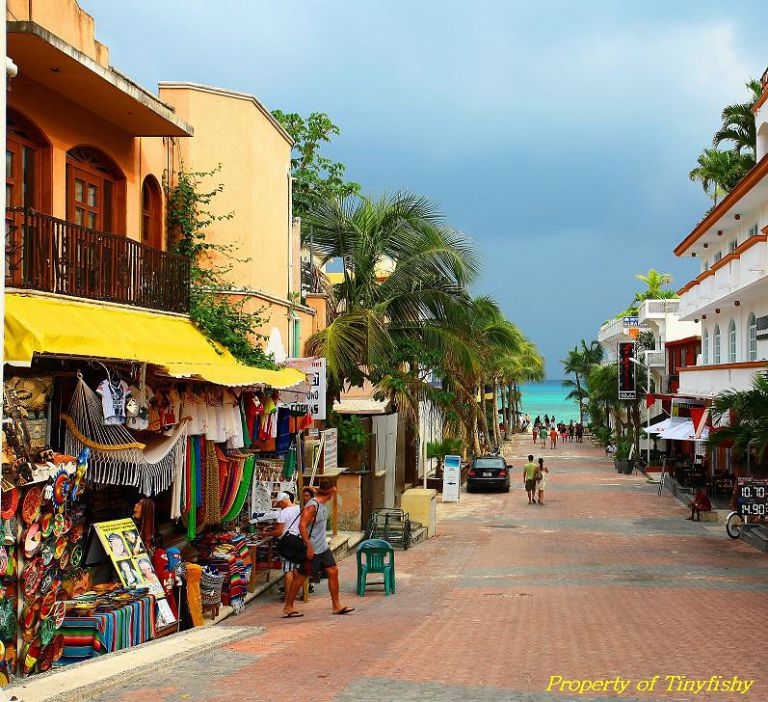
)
(654, 282)
(719, 171)
(748, 410)
(432, 265)
(739, 123)
(578, 363)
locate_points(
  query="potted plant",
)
(621, 458)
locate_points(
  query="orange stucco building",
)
(88, 154)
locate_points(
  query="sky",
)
(557, 134)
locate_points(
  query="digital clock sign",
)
(752, 496)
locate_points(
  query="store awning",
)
(56, 327)
(659, 427)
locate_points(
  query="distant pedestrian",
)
(546, 420)
(529, 479)
(535, 433)
(553, 439)
(579, 433)
(563, 432)
(543, 436)
(699, 504)
(541, 483)
(312, 527)
(571, 431)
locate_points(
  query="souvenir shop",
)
(133, 503)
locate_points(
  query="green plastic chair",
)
(379, 557)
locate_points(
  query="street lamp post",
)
(647, 408)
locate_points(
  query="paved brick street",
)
(606, 579)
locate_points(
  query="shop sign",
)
(331, 450)
(315, 369)
(631, 321)
(752, 496)
(451, 478)
(627, 372)
(122, 542)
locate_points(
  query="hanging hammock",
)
(116, 457)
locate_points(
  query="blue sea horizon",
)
(548, 397)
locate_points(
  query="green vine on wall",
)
(220, 317)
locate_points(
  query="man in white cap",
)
(287, 521)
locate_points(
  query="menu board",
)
(752, 496)
(122, 542)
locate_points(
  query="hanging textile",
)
(233, 468)
(192, 500)
(243, 489)
(212, 495)
(116, 457)
(289, 463)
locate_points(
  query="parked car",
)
(488, 472)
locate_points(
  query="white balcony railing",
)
(655, 309)
(655, 359)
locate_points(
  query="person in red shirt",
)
(700, 503)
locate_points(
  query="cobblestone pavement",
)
(605, 579)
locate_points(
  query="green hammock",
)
(243, 490)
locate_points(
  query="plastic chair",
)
(379, 558)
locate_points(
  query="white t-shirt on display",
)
(114, 395)
(288, 516)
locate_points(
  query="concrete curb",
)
(80, 681)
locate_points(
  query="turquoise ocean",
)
(548, 397)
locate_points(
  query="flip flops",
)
(345, 610)
(293, 615)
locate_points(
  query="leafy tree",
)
(315, 177)
(578, 363)
(216, 314)
(655, 283)
(748, 410)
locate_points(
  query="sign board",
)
(451, 478)
(315, 369)
(752, 496)
(331, 450)
(631, 321)
(122, 543)
(627, 370)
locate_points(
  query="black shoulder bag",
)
(291, 547)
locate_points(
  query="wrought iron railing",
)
(52, 255)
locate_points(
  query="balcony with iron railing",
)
(51, 255)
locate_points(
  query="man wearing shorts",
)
(529, 478)
(312, 527)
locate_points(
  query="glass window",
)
(753, 230)
(732, 342)
(706, 264)
(716, 345)
(92, 194)
(752, 338)
(705, 347)
(732, 246)
(718, 256)
(79, 185)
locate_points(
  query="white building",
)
(729, 296)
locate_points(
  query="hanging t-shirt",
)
(114, 395)
(140, 421)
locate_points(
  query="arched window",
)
(732, 342)
(151, 213)
(716, 344)
(705, 347)
(95, 191)
(752, 337)
(27, 165)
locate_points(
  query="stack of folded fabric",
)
(228, 554)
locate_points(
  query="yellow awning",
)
(59, 327)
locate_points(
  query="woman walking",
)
(541, 483)
(543, 436)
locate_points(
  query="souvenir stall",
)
(143, 519)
